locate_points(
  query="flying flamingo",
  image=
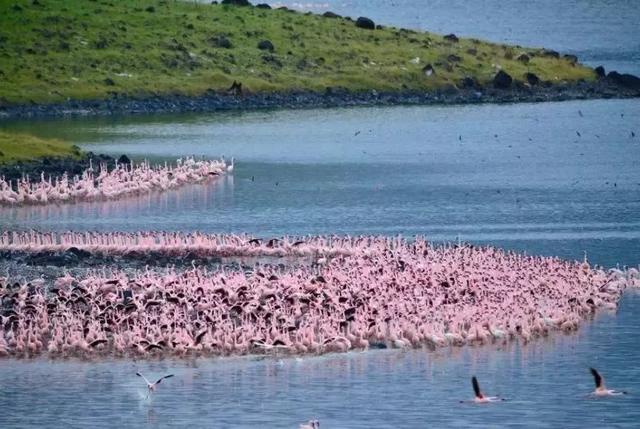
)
(601, 389)
(479, 397)
(152, 386)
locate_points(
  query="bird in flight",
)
(152, 386)
(479, 397)
(601, 389)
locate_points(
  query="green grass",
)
(25, 147)
(57, 50)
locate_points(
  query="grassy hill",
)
(55, 50)
(25, 147)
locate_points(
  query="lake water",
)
(547, 383)
(534, 177)
(553, 178)
(600, 32)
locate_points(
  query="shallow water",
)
(517, 176)
(599, 32)
(547, 383)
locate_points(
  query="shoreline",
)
(331, 98)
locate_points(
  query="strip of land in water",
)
(99, 57)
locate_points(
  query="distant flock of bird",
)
(197, 244)
(105, 184)
(374, 292)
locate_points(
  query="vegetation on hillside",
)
(24, 147)
(56, 50)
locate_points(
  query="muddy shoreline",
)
(216, 101)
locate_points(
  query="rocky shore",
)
(613, 85)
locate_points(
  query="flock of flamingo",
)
(197, 244)
(360, 293)
(121, 181)
(334, 294)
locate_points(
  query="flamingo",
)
(479, 397)
(152, 386)
(601, 389)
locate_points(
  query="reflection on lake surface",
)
(550, 178)
(547, 383)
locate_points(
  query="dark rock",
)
(366, 23)
(235, 88)
(532, 79)
(472, 51)
(624, 79)
(380, 27)
(221, 42)
(237, 2)
(454, 58)
(150, 9)
(550, 53)
(124, 159)
(266, 45)
(451, 37)
(102, 44)
(523, 58)
(445, 65)
(330, 14)
(272, 59)
(502, 80)
(571, 58)
(468, 82)
(109, 82)
(600, 71)
(263, 6)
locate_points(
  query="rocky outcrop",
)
(237, 2)
(330, 14)
(502, 80)
(366, 23)
(532, 79)
(623, 79)
(266, 45)
(468, 83)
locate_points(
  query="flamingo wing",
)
(597, 377)
(476, 387)
(162, 378)
(143, 377)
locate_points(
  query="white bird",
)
(311, 424)
(601, 389)
(231, 166)
(152, 386)
(479, 397)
